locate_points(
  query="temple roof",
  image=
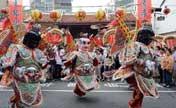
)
(70, 19)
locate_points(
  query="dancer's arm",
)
(9, 58)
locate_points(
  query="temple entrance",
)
(77, 29)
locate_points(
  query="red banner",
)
(170, 42)
(144, 10)
(16, 11)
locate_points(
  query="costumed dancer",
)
(81, 65)
(136, 59)
(27, 62)
(138, 67)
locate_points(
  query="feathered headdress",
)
(121, 31)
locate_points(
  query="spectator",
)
(174, 67)
(167, 66)
(100, 58)
(159, 53)
(52, 62)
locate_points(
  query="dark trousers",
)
(102, 70)
(160, 73)
(57, 72)
(52, 64)
(167, 77)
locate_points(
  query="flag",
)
(16, 11)
(144, 10)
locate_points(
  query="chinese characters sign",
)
(144, 10)
(15, 11)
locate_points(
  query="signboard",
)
(16, 11)
(161, 18)
(144, 10)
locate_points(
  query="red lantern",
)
(4, 11)
(166, 11)
(55, 15)
(80, 15)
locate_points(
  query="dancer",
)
(82, 66)
(136, 59)
(138, 67)
(26, 62)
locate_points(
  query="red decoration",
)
(6, 24)
(4, 11)
(98, 42)
(120, 13)
(113, 23)
(80, 15)
(55, 15)
(55, 39)
(166, 11)
(111, 39)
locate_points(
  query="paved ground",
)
(110, 95)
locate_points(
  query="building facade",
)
(48, 5)
(119, 3)
(166, 25)
(127, 4)
(64, 5)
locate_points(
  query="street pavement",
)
(58, 94)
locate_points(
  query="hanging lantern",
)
(120, 13)
(55, 15)
(166, 11)
(36, 15)
(80, 15)
(4, 11)
(100, 14)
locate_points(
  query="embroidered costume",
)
(136, 59)
(138, 67)
(27, 62)
(82, 66)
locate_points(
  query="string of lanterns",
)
(56, 14)
(81, 14)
